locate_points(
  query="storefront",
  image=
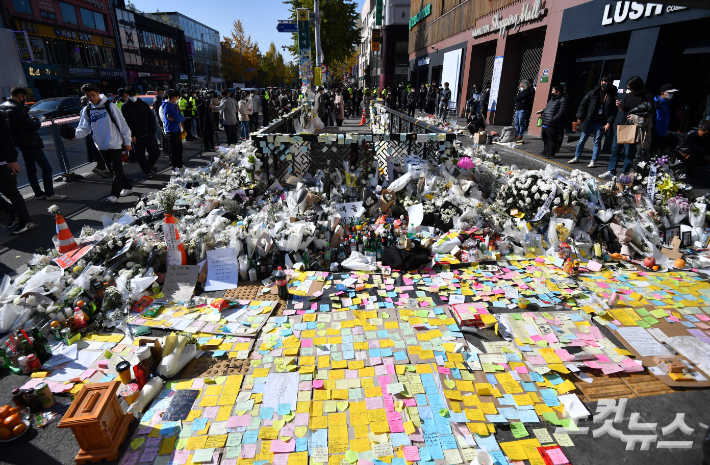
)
(63, 59)
(658, 43)
(506, 48)
(145, 81)
(445, 64)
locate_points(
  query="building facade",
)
(368, 59)
(154, 50)
(393, 47)
(501, 42)
(204, 50)
(64, 44)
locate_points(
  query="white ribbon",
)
(546, 206)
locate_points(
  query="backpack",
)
(107, 107)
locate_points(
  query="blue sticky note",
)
(499, 457)
(107, 378)
(301, 444)
(496, 419)
(284, 409)
(436, 452)
(549, 396)
(448, 441)
(424, 454)
(458, 417)
(252, 436)
(319, 438)
(401, 355)
(387, 352)
(218, 353)
(421, 401)
(399, 439)
(199, 424)
(527, 416)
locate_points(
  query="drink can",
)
(45, 395)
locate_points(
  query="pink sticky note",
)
(149, 454)
(280, 459)
(278, 445)
(521, 370)
(411, 453)
(131, 457)
(198, 383)
(103, 364)
(444, 370)
(603, 358)
(610, 368)
(317, 383)
(592, 364)
(557, 456)
(248, 451)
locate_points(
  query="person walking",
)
(596, 114)
(173, 117)
(122, 97)
(636, 95)
(553, 117)
(523, 107)
(205, 115)
(93, 153)
(444, 100)
(339, 107)
(192, 108)
(411, 101)
(264, 105)
(319, 104)
(111, 135)
(141, 121)
(244, 115)
(27, 139)
(20, 220)
(228, 110)
(422, 96)
(250, 108)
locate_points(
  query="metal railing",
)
(399, 122)
(285, 125)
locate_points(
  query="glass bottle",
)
(327, 252)
(360, 244)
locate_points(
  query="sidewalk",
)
(85, 205)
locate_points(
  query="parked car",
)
(57, 107)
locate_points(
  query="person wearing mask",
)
(596, 115)
(411, 102)
(243, 108)
(122, 97)
(431, 99)
(196, 103)
(172, 117)
(256, 104)
(157, 103)
(422, 96)
(339, 107)
(523, 108)
(111, 135)
(475, 99)
(27, 139)
(695, 148)
(185, 107)
(636, 95)
(228, 111)
(485, 96)
(661, 140)
(444, 99)
(20, 220)
(206, 118)
(284, 102)
(553, 117)
(319, 104)
(92, 152)
(250, 108)
(273, 109)
(140, 120)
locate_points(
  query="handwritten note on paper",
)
(222, 269)
(180, 281)
(642, 342)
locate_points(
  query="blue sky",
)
(259, 17)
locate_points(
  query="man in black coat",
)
(27, 139)
(596, 114)
(695, 148)
(141, 120)
(20, 220)
(483, 101)
(553, 120)
(157, 103)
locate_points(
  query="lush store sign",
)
(419, 16)
(500, 24)
(635, 11)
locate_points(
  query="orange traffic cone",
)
(170, 219)
(67, 242)
(363, 121)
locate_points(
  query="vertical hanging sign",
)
(305, 68)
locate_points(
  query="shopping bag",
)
(626, 134)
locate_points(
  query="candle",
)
(598, 249)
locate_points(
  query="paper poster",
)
(222, 269)
(495, 83)
(281, 388)
(180, 282)
(642, 342)
(350, 210)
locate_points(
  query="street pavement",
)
(86, 205)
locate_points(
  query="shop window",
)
(68, 13)
(47, 15)
(87, 18)
(22, 6)
(99, 21)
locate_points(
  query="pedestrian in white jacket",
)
(104, 121)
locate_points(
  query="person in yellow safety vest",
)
(192, 106)
(122, 97)
(266, 95)
(184, 105)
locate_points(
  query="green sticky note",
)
(650, 320)
(518, 430)
(384, 315)
(350, 456)
(552, 418)
(181, 443)
(643, 324)
(108, 354)
(516, 316)
(569, 424)
(444, 412)
(203, 455)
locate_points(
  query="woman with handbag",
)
(625, 135)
